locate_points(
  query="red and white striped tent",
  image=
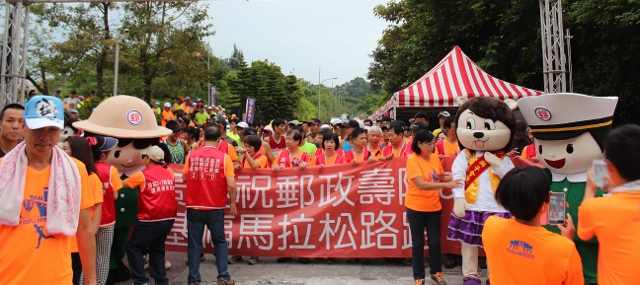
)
(456, 75)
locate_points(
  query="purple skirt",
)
(468, 229)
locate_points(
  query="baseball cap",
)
(335, 121)
(100, 143)
(325, 126)
(157, 103)
(243, 125)
(248, 131)
(352, 124)
(386, 119)
(57, 90)
(44, 111)
(419, 126)
(187, 98)
(155, 153)
(167, 105)
(314, 121)
(445, 114)
(268, 129)
(209, 108)
(180, 98)
(173, 126)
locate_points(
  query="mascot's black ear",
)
(513, 105)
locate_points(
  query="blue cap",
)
(44, 111)
(157, 103)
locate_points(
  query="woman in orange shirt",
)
(329, 154)
(425, 178)
(293, 156)
(520, 250)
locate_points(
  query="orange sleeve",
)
(228, 167)
(437, 165)
(276, 159)
(413, 168)
(232, 153)
(185, 168)
(135, 180)
(263, 160)
(586, 226)
(115, 179)
(96, 185)
(574, 269)
(87, 193)
(523, 152)
(313, 161)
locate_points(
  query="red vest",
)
(108, 204)
(206, 180)
(404, 150)
(244, 158)
(320, 159)
(223, 146)
(158, 199)
(350, 155)
(409, 150)
(285, 160)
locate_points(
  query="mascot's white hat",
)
(567, 115)
(123, 116)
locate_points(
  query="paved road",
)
(268, 271)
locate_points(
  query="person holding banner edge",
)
(425, 177)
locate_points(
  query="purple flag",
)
(250, 110)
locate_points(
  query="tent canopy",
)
(456, 75)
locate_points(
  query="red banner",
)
(335, 211)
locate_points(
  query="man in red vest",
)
(157, 210)
(209, 175)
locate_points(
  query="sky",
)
(303, 37)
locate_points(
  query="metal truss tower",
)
(553, 57)
(14, 52)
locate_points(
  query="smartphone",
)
(599, 172)
(557, 208)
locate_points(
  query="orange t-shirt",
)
(521, 254)
(262, 160)
(615, 221)
(449, 148)
(166, 116)
(29, 255)
(430, 171)
(231, 151)
(95, 187)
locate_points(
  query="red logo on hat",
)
(543, 114)
(134, 117)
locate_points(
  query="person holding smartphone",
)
(425, 177)
(615, 220)
(520, 250)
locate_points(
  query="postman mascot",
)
(485, 128)
(569, 131)
(133, 123)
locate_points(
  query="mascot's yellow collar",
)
(575, 178)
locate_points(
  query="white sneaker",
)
(167, 265)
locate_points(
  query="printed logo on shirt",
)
(434, 176)
(521, 248)
(35, 212)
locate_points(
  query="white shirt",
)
(486, 201)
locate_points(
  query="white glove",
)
(493, 160)
(459, 206)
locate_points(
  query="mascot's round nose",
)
(478, 135)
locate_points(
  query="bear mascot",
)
(133, 123)
(567, 140)
(485, 128)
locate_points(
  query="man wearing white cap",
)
(166, 114)
(567, 140)
(441, 117)
(43, 204)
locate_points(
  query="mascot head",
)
(133, 123)
(485, 123)
(569, 129)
